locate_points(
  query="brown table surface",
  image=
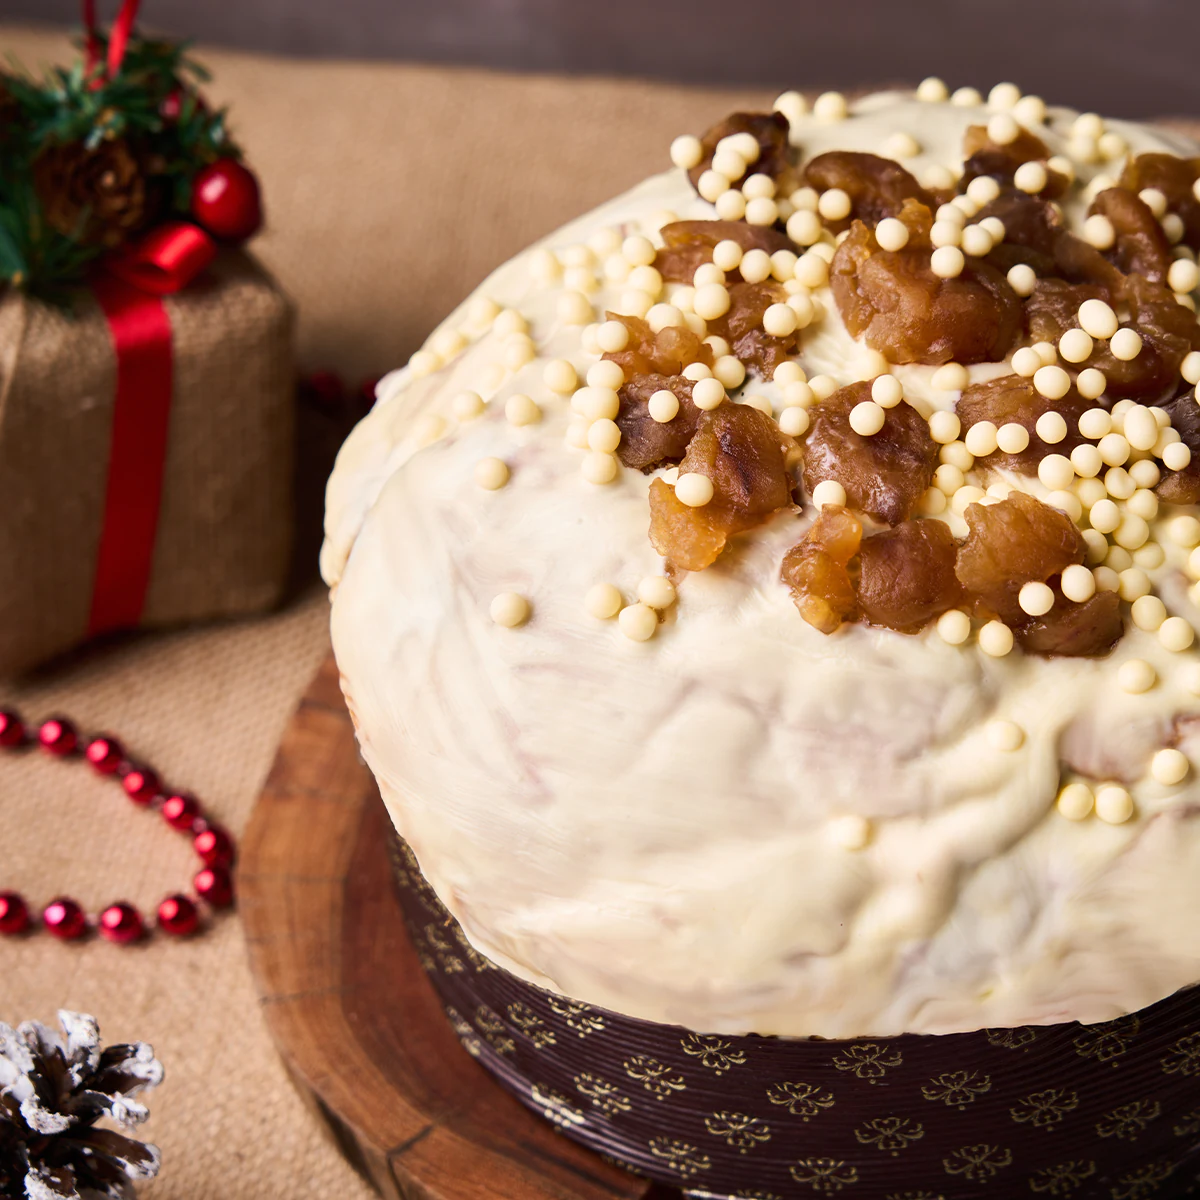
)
(391, 191)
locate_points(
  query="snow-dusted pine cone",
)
(53, 1090)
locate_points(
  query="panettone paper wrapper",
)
(1092, 1112)
(224, 528)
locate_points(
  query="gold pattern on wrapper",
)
(555, 1106)
(1062, 1178)
(824, 1174)
(978, 1163)
(1044, 1109)
(579, 1017)
(605, 1096)
(869, 1060)
(803, 1100)
(957, 1088)
(715, 1053)
(1011, 1039)
(656, 1077)
(739, 1130)
(892, 1134)
(1129, 1120)
(1184, 1057)
(681, 1157)
(1109, 1041)
(530, 1024)
(494, 1031)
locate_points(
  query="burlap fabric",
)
(225, 522)
(391, 191)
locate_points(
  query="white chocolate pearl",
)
(697, 370)
(1176, 456)
(559, 376)
(1114, 805)
(948, 478)
(1051, 427)
(834, 205)
(1169, 767)
(983, 190)
(1078, 583)
(1097, 549)
(605, 374)
(1132, 532)
(1140, 428)
(1004, 96)
(976, 241)
(794, 421)
(812, 270)
(980, 439)
(954, 627)
(761, 211)
(1184, 531)
(1148, 613)
(604, 435)
(789, 372)
(424, 362)
(1026, 362)
(686, 151)
(1012, 438)
(1176, 634)
(663, 406)
(577, 431)
(1107, 580)
(804, 227)
(1098, 319)
(729, 371)
(521, 410)
(1022, 279)
(783, 265)
(656, 591)
(793, 105)
(866, 419)
(1190, 367)
(1183, 275)
(829, 491)
(823, 386)
(466, 406)
(598, 467)
(947, 262)
(727, 254)
(596, 402)
(1134, 582)
(952, 377)
(664, 316)
(1086, 461)
(1075, 801)
(1098, 231)
(1145, 473)
(779, 320)
(1091, 383)
(482, 311)
(901, 145)
(797, 394)
(1154, 200)
(996, 639)
(1136, 676)
(603, 601)
(1005, 735)
(1125, 344)
(944, 427)
(1051, 382)
(850, 832)
(994, 228)
(1035, 598)
(509, 609)
(638, 622)
(957, 455)
(891, 234)
(491, 473)
(830, 106)
(886, 390)
(1066, 502)
(612, 337)
(708, 393)
(946, 233)
(693, 489)
(1075, 346)
(1056, 471)
(932, 90)
(1031, 177)
(1047, 352)
(1143, 503)
(966, 97)
(711, 301)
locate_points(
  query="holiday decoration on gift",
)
(178, 914)
(54, 1089)
(117, 161)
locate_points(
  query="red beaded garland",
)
(64, 918)
(14, 913)
(177, 915)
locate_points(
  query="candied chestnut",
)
(902, 309)
(742, 327)
(1013, 400)
(1183, 487)
(1010, 543)
(1072, 630)
(883, 475)
(1053, 307)
(666, 352)
(1141, 247)
(1000, 162)
(877, 187)
(770, 130)
(645, 442)
(1032, 227)
(906, 575)
(816, 570)
(690, 243)
(1175, 177)
(742, 451)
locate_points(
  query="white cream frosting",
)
(649, 827)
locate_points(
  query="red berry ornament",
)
(214, 846)
(214, 885)
(12, 729)
(105, 754)
(141, 785)
(180, 811)
(177, 915)
(14, 914)
(64, 918)
(57, 736)
(226, 201)
(121, 923)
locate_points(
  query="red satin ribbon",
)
(166, 259)
(118, 38)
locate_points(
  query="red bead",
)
(178, 915)
(180, 811)
(214, 885)
(121, 923)
(214, 846)
(141, 784)
(64, 918)
(105, 754)
(58, 737)
(12, 729)
(226, 201)
(14, 914)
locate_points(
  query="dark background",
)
(1132, 58)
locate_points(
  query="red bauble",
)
(214, 885)
(12, 729)
(214, 846)
(14, 913)
(121, 923)
(178, 915)
(226, 201)
(141, 784)
(57, 736)
(64, 918)
(180, 811)
(105, 754)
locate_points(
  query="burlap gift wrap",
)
(222, 542)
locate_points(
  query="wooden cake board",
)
(359, 1027)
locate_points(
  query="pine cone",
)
(53, 1090)
(95, 197)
